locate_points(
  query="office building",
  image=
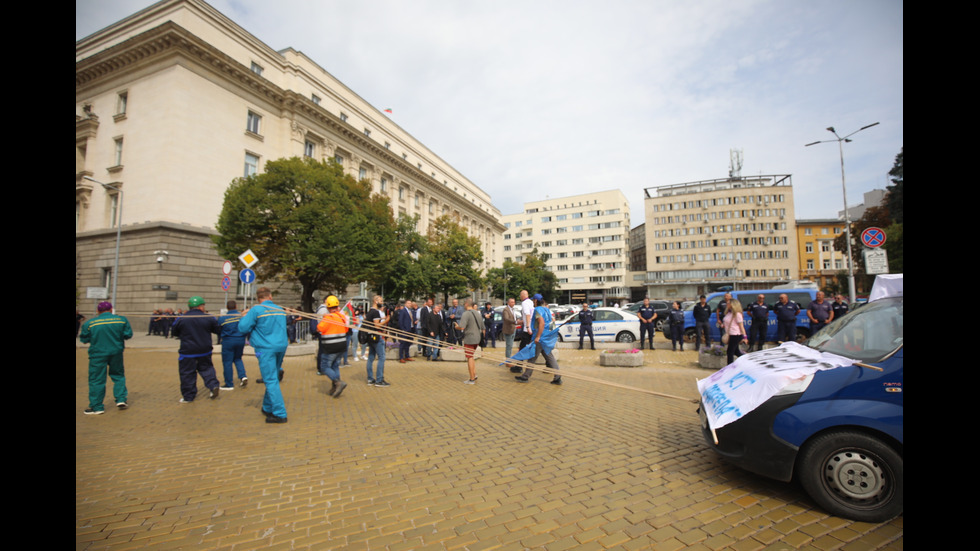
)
(818, 260)
(710, 234)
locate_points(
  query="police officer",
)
(840, 306)
(702, 317)
(585, 318)
(647, 315)
(759, 312)
(786, 311)
(820, 313)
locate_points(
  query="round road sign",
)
(873, 237)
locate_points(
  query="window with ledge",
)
(315, 99)
(118, 151)
(309, 149)
(253, 123)
(122, 99)
(343, 117)
(384, 185)
(256, 68)
(362, 174)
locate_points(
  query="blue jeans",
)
(434, 344)
(330, 365)
(231, 354)
(376, 350)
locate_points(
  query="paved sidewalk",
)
(428, 463)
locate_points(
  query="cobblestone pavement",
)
(429, 463)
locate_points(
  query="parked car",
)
(839, 431)
(610, 324)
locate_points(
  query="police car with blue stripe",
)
(611, 324)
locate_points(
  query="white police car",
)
(609, 325)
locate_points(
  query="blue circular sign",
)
(247, 276)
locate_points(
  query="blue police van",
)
(803, 297)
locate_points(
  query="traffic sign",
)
(226, 267)
(873, 237)
(225, 283)
(248, 258)
(247, 276)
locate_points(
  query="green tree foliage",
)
(307, 222)
(530, 275)
(451, 258)
(895, 198)
(405, 275)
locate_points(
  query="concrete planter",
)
(613, 359)
(711, 361)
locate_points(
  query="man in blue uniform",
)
(786, 311)
(265, 323)
(585, 318)
(194, 329)
(840, 306)
(232, 346)
(647, 315)
(759, 312)
(702, 320)
(820, 313)
(105, 334)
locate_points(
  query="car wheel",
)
(560, 339)
(625, 336)
(689, 334)
(853, 475)
(802, 334)
(660, 326)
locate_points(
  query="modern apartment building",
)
(818, 260)
(584, 239)
(711, 234)
(174, 102)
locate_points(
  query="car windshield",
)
(868, 334)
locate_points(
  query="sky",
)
(543, 98)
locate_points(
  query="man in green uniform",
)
(105, 334)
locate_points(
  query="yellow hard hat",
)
(332, 301)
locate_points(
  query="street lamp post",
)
(119, 210)
(847, 215)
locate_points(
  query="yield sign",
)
(873, 237)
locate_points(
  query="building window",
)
(339, 158)
(253, 123)
(809, 247)
(387, 145)
(256, 68)
(121, 100)
(367, 132)
(343, 117)
(825, 246)
(113, 209)
(315, 98)
(309, 149)
(251, 164)
(401, 193)
(117, 154)
(362, 174)
(384, 185)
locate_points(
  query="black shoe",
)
(580, 348)
(556, 381)
(273, 419)
(281, 373)
(382, 382)
(267, 414)
(516, 369)
(260, 381)
(520, 379)
(215, 392)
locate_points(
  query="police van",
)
(802, 297)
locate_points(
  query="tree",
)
(308, 222)
(873, 217)
(452, 257)
(895, 198)
(531, 274)
(405, 276)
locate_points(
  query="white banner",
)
(753, 378)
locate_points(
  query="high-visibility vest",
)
(333, 328)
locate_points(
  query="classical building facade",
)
(737, 232)
(584, 239)
(174, 102)
(818, 260)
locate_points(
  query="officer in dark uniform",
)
(760, 322)
(585, 318)
(702, 317)
(786, 311)
(647, 315)
(721, 310)
(840, 306)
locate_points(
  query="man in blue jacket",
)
(194, 329)
(265, 323)
(232, 346)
